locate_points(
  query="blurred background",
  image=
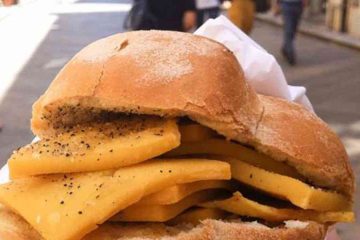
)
(38, 37)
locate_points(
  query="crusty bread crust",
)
(13, 227)
(179, 74)
(289, 132)
(208, 230)
(156, 72)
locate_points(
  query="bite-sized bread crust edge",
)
(215, 94)
(13, 227)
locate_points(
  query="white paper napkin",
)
(4, 174)
(260, 68)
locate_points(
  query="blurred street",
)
(37, 41)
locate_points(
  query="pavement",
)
(46, 37)
(315, 28)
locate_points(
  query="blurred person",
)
(175, 15)
(207, 9)
(242, 13)
(291, 11)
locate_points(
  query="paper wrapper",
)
(261, 70)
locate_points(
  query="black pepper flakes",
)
(251, 176)
(80, 212)
(62, 202)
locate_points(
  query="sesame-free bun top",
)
(174, 74)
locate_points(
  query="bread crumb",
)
(296, 224)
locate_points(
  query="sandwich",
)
(157, 135)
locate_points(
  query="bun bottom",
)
(13, 227)
(207, 230)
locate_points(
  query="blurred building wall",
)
(344, 16)
(353, 19)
